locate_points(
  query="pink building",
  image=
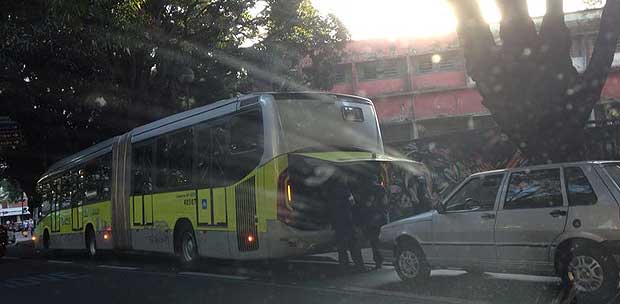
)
(420, 86)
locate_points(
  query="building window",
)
(448, 61)
(342, 73)
(382, 69)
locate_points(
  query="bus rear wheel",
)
(91, 242)
(186, 247)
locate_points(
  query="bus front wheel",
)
(186, 247)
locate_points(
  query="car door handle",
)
(488, 216)
(557, 213)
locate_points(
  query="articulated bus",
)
(244, 178)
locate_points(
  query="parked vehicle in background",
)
(560, 219)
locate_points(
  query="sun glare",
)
(391, 19)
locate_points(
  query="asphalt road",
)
(70, 278)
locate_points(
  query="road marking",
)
(117, 267)
(59, 262)
(331, 263)
(214, 275)
(11, 258)
(38, 279)
(411, 296)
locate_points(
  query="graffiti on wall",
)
(452, 158)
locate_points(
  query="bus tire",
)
(185, 245)
(91, 242)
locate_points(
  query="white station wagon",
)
(560, 219)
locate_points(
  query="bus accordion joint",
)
(285, 196)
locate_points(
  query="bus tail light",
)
(285, 197)
(107, 233)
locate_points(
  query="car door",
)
(463, 230)
(533, 214)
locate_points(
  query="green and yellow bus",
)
(243, 178)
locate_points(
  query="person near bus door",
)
(372, 216)
(340, 204)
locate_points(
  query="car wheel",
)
(91, 243)
(410, 264)
(186, 248)
(594, 273)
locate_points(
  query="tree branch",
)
(517, 29)
(604, 49)
(477, 40)
(555, 34)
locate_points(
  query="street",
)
(314, 279)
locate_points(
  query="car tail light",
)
(285, 197)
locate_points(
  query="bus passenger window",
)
(246, 132)
(174, 159)
(246, 144)
(142, 167)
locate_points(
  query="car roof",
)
(554, 165)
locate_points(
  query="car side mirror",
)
(440, 207)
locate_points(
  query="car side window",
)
(534, 189)
(578, 188)
(488, 191)
(459, 201)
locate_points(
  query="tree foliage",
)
(528, 82)
(293, 31)
(76, 72)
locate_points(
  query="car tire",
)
(411, 265)
(186, 247)
(91, 243)
(594, 271)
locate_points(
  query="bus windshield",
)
(326, 125)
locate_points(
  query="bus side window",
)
(142, 182)
(246, 144)
(104, 169)
(181, 147)
(174, 160)
(65, 191)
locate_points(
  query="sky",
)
(393, 19)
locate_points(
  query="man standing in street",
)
(340, 204)
(372, 217)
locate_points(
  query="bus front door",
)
(77, 221)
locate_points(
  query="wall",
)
(457, 102)
(439, 80)
(381, 86)
(394, 108)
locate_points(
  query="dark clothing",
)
(370, 217)
(341, 219)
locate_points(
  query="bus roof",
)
(140, 133)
